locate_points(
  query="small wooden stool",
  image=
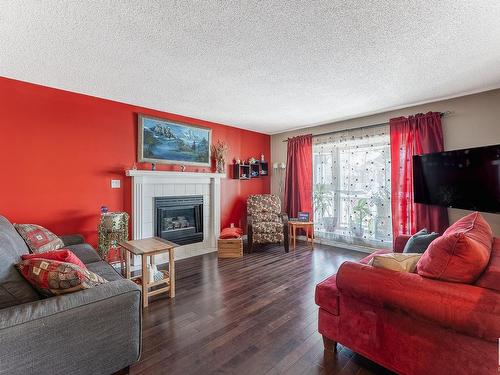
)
(306, 225)
(230, 248)
(151, 247)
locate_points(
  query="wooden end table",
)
(293, 225)
(151, 247)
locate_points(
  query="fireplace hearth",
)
(179, 219)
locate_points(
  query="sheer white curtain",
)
(352, 187)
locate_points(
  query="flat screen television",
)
(468, 179)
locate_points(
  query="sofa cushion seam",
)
(69, 309)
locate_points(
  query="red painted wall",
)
(59, 151)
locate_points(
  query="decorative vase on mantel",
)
(220, 165)
(219, 152)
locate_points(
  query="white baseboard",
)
(342, 245)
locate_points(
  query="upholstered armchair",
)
(265, 221)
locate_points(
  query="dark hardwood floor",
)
(250, 315)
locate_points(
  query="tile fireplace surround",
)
(146, 185)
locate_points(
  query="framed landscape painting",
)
(169, 142)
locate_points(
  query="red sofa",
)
(411, 324)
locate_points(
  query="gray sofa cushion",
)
(14, 290)
(103, 269)
(93, 331)
(72, 239)
(93, 261)
(84, 252)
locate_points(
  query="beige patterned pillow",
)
(401, 262)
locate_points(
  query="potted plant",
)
(381, 199)
(361, 213)
(219, 152)
(322, 201)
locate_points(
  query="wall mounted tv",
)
(468, 179)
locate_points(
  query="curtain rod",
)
(442, 114)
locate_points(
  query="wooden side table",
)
(306, 225)
(151, 247)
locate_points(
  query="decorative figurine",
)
(153, 166)
(238, 161)
(183, 168)
(134, 166)
(252, 161)
(262, 157)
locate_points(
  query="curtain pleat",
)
(413, 135)
(298, 178)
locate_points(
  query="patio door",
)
(352, 187)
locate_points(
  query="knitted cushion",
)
(38, 238)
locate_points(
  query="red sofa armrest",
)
(465, 308)
(400, 242)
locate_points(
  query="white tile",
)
(168, 189)
(158, 190)
(199, 189)
(190, 189)
(180, 252)
(147, 216)
(180, 189)
(147, 230)
(148, 190)
(148, 203)
(161, 258)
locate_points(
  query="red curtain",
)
(413, 135)
(298, 178)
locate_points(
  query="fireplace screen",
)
(179, 219)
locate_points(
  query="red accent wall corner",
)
(60, 150)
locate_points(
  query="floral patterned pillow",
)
(51, 277)
(39, 239)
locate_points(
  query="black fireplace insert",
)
(179, 219)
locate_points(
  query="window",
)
(352, 187)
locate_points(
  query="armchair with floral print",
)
(265, 221)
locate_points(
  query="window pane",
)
(352, 187)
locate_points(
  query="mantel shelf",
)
(170, 174)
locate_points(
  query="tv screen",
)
(468, 179)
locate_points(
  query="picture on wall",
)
(169, 142)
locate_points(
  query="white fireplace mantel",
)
(146, 185)
(172, 174)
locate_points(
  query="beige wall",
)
(474, 121)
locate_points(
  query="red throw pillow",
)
(51, 277)
(227, 233)
(62, 255)
(38, 238)
(461, 254)
(475, 227)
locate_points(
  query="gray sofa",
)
(93, 331)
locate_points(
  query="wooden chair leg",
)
(329, 345)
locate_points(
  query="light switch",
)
(115, 184)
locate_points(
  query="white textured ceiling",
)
(268, 66)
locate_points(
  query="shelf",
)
(250, 171)
(165, 280)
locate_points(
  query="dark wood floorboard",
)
(250, 315)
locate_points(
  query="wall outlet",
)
(115, 184)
